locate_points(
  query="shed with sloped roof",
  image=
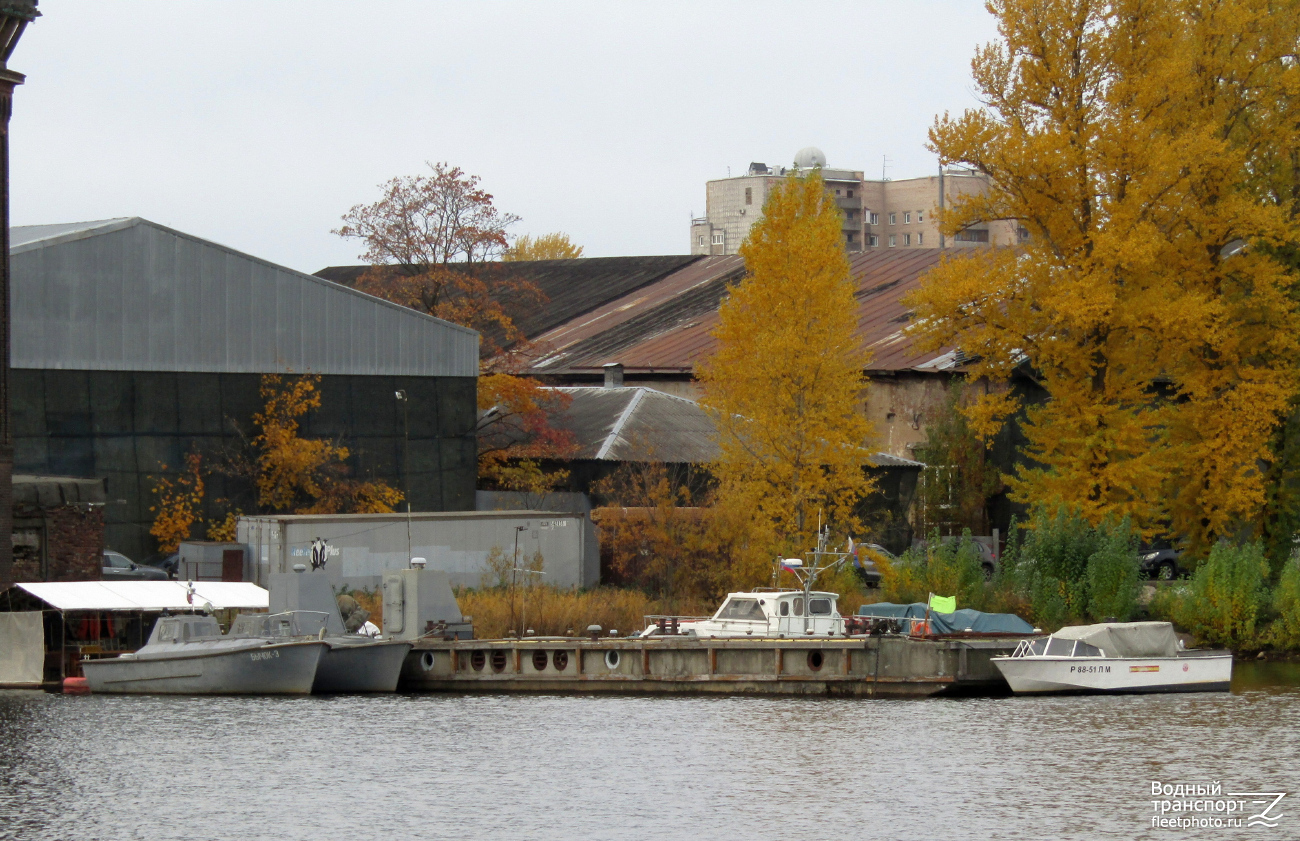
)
(134, 343)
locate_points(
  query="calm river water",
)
(540, 767)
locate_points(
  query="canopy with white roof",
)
(149, 595)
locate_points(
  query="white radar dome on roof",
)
(809, 157)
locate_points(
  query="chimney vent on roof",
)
(613, 375)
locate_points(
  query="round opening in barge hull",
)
(478, 660)
(499, 660)
(560, 659)
(611, 660)
(539, 661)
(426, 661)
(815, 661)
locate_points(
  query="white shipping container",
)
(355, 550)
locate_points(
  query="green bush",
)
(1067, 570)
(1112, 575)
(945, 568)
(1285, 632)
(1226, 599)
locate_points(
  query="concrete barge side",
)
(874, 666)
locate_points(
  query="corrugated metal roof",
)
(148, 595)
(571, 288)
(667, 326)
(131, 295)
(24, 237)
(635, 423)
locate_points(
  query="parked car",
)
(168, 563)
(1160, 564)
(868, 571)
(118, 567)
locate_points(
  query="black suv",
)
(1159, 564)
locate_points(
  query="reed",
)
(552, 611)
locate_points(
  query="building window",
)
(1022, 233)
(848, 215)
(850, 194)
(907, 217)
(837, 191)
(850, 236)
(907, 239)
(749, 195)
(701, 239)
(972, 235)
(719, 237)
(893, 219)
(875, 218)
(892, 240)
(920, 216)
(920, 239)
(875, 241)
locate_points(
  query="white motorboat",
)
(188, 655)
(1114, 657)
(762, 613)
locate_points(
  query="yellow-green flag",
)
(943, 604)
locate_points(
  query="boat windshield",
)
(1082, 649)
(747, 609)
(1059, 648)
(298, 623)
(819, 607)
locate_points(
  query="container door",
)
(394, 602)
(232, 565)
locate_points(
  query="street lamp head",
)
(400, 394)
(14, 17)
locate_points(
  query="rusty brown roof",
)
(666, 326)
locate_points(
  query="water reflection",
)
(416, 766)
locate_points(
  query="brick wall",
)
(72, 542)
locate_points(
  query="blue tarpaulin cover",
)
(951, 623)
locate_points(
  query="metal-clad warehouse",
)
(134, 343)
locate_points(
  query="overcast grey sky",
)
(258, 124)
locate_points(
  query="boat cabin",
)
(172, 630)
(772, 613)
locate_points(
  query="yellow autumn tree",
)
(785, 381)
(1147, 149)
(306, 475)
(555, 246)
(178, 504)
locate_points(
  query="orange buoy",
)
(75, 686)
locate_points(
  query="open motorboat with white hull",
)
(1114, 657)
(351, 662)
(188, 655)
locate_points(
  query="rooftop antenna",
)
(884, 167)
(814, 562)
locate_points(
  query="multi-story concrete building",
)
(877, 214)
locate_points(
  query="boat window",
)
(743, 609)
(819, 607)
(1059, 648)
(167, 632)
(798, 606)
(1085, 650)
(785, 608)
(1038, 647)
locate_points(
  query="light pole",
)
(514, 575)
(400, 394)
(14, 17)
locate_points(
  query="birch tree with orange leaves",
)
(784, 384)
(1149, 150)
